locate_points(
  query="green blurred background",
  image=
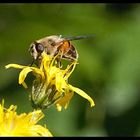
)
(108, 69)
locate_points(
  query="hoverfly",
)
(53, 45)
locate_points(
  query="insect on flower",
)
(52, 45)
(51, 84)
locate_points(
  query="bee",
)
(52, 45)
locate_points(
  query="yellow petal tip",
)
(7, 66)
(93, 104)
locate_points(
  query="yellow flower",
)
(51, 84)
(24, 124)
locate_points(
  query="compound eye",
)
(39, 48)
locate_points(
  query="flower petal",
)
(24, 85)
(70, 68)
(83, 94)
(38, 130)
(45, 61)
(15, 66)
(12, 124)
(38, 71)
(26, 70)
(60, 82)
(23, 74)
(64, 101)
